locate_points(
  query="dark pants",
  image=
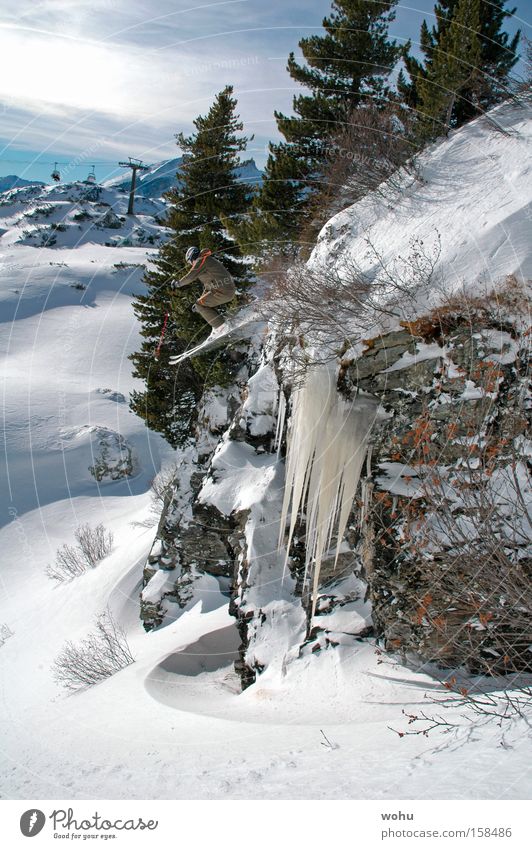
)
(205, 304)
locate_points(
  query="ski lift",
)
(91, 177)
(55, 174)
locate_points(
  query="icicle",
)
(326, 448)
(281, 414)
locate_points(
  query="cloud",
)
(71, 78)
(137, 72)
(126, 75)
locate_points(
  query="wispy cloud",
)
(126, 75)
(137, 72)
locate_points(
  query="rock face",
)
(446, 535)
(194, 541)
(436, 561)
(110, 221)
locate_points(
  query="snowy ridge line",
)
(326, 449)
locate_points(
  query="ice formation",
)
(326, 449)
(281, 415)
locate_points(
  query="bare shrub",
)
(474, 526)
(101, 654)
(457, 553)
(161, 488)
(479, 704)
(463, 544)
(71, 561)
(373, 145)
(162, 484)
(342, 305)
(95, 543)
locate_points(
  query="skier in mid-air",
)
(218, 285)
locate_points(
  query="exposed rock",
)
(450, 413)
(114, 459)
(110, 221)
(448, 392)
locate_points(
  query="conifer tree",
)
(274, 220)
(208, 192)
(454, 65)
(348, 65)
(498, 55)
(345, 67)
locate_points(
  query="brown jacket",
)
(210, 272)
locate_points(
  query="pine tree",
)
(275, 216)
(454, 66)
(207, 194)
(498, 55)
(344, 68)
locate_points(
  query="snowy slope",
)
(174, 725)
(469, 208)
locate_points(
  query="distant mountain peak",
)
(11, 181)
(162, 176)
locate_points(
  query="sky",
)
(86, 83)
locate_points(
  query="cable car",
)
(91, 177)
(55, 174)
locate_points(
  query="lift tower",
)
(135, 165)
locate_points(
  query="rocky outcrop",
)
(453, 421)
(194, 539)
(113, 456)
(446, 557)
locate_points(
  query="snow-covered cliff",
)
(252, 652)
(449, 368)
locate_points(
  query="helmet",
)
(192, 254)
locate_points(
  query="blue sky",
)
(94, 82)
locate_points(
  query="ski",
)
(233, 333)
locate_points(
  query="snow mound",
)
(239, 477)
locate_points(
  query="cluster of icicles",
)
(327, 444)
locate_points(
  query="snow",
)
(471, 211)
(502, 348)
(399, 479)
(239, 477)
(159, 583)
(260, 404)
(423, 352)
(174, 724)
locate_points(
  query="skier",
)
(218, 285)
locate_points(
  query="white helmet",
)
(192, 254)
